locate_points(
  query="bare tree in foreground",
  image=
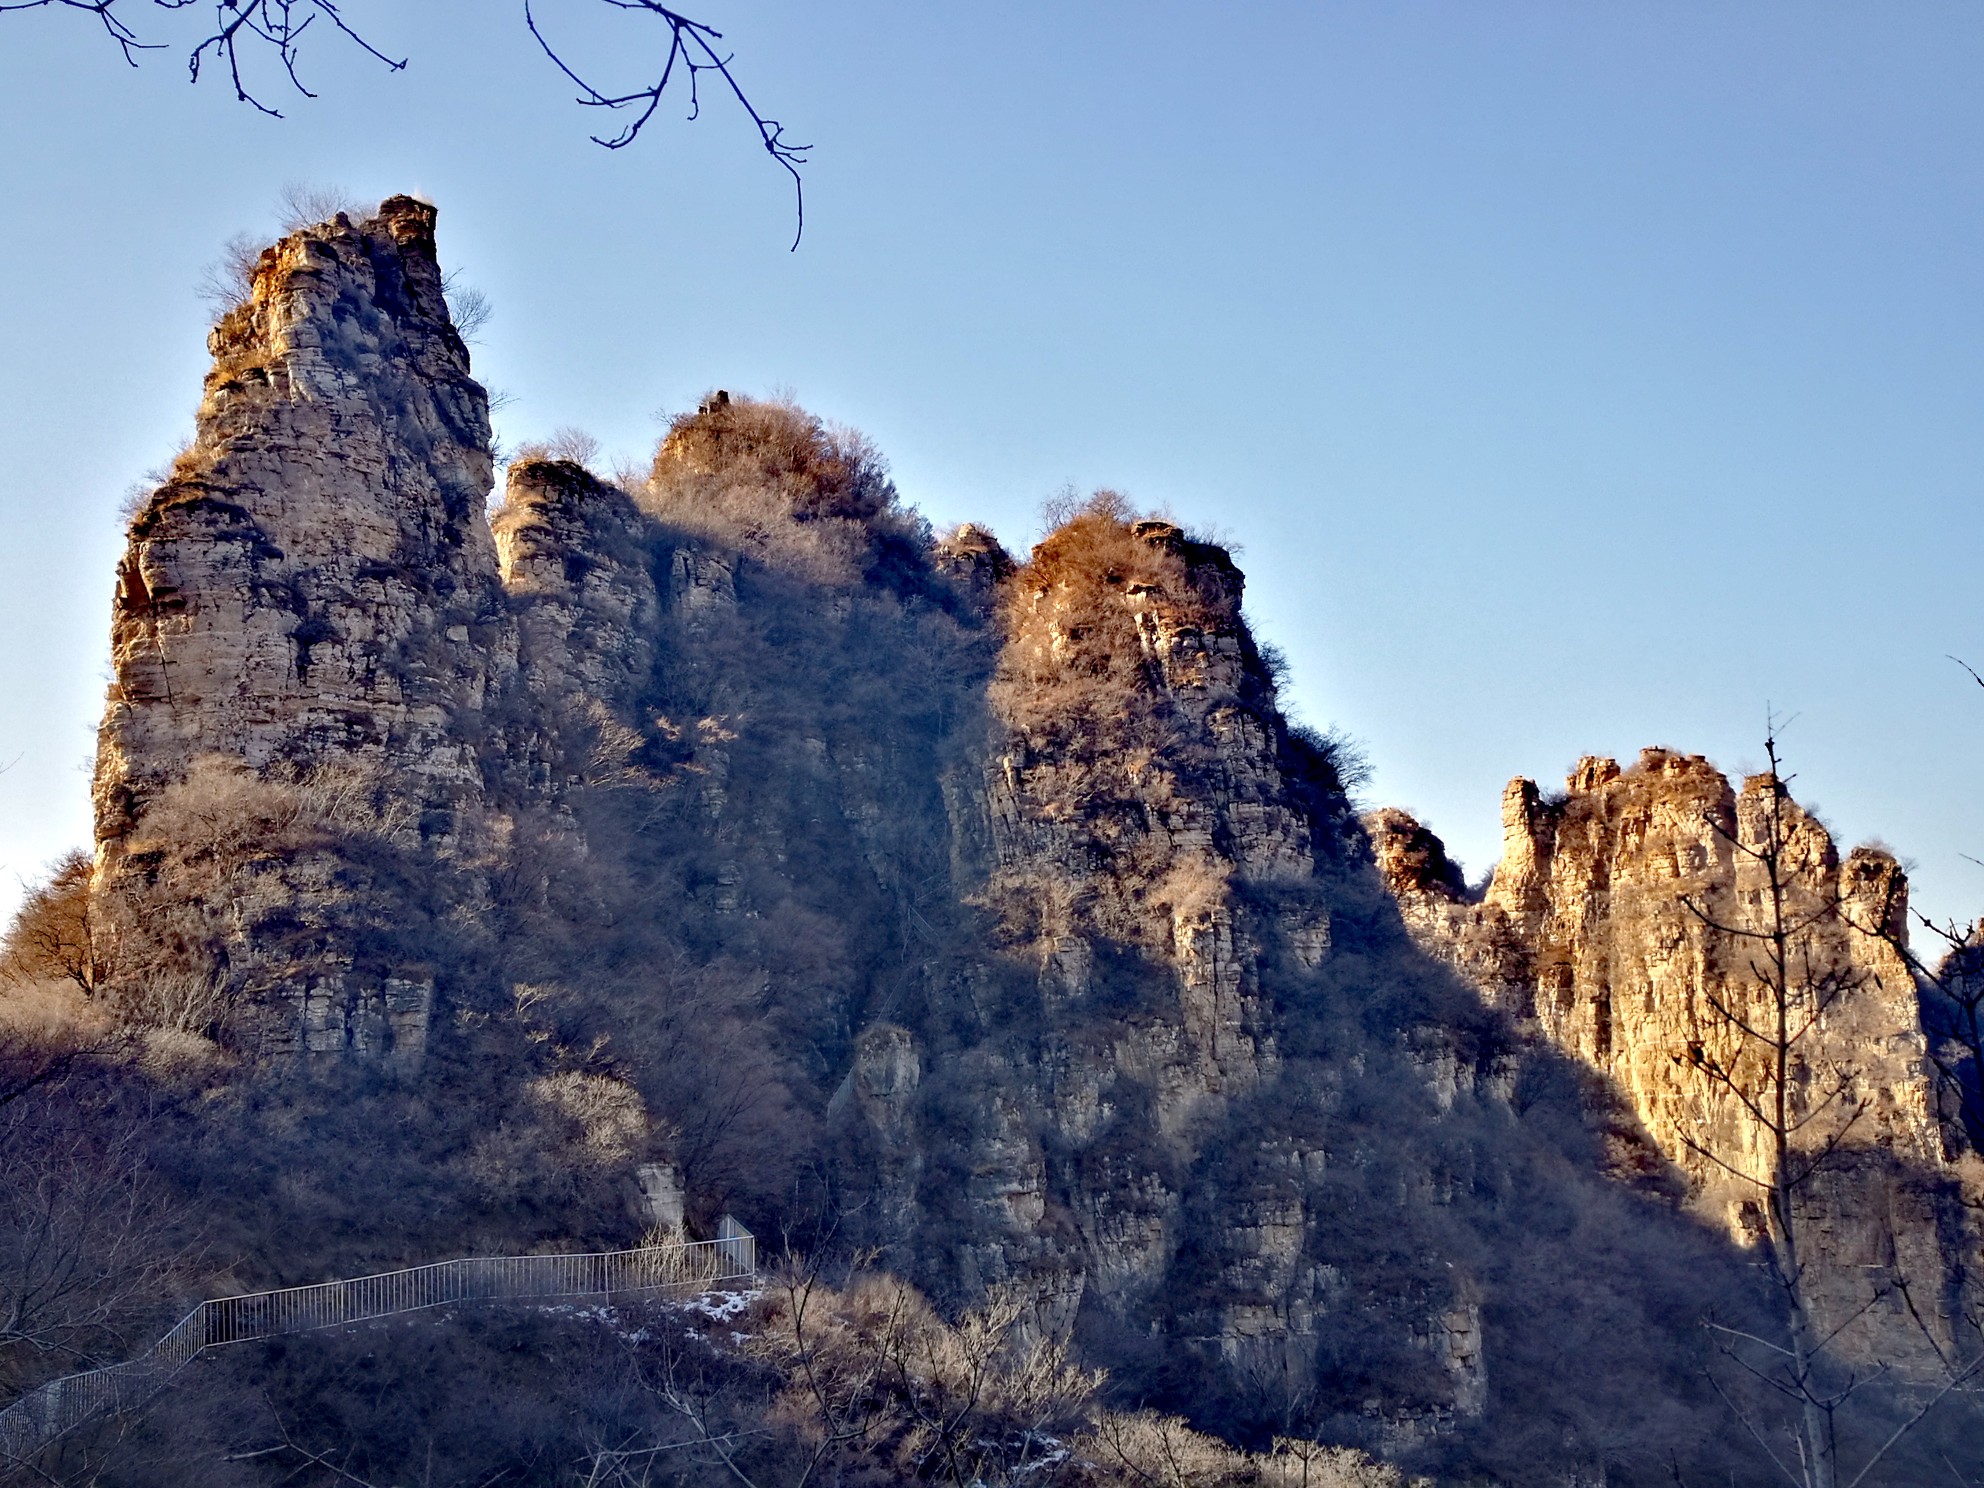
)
(247, 37)
(89, 1243)
(1757, 1051)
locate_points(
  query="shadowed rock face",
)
(575, 559)
(984, 912)
(1618, 923)
(316, 578)
(314, 589)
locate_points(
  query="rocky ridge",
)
(313, 587)
(1617, 926)
(892, 891)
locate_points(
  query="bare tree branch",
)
(242, 35)
(692, 50)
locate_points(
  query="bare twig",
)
(692, 52)
(272, 28)
(241, 32)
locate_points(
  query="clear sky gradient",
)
(1571, 377)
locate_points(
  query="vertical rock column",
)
(309, 604)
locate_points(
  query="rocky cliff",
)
(1629, 922)
(981, 914)
(307, 610)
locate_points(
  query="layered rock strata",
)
(316, 577)
(984, 913)
(313, 594)
(1628, 921)
(1140, 782)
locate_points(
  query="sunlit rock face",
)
(1628, 921)
(312, 598)
(1166, 862)
(316, 579)
(981, 913)
(1139, 781)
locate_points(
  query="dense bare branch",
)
(1795, 974)
(248, 39)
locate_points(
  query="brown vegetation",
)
(53, 934)
(861, 1385)
(769, 480)
(982, 930)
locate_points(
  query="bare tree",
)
(241, 37)
(54, 932)
(1756, 1051)
(88, 1241)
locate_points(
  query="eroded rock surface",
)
(313, 594)
(1628, 920)
(983, 914)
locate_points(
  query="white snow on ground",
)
(720, 1307)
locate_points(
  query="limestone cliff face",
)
(575, 556)
(1620, 923)
(313, 594)
(1134, 786)
(899, 894)
(316, 579)
(577, 564)
(1160, 1146)
(1140, 779)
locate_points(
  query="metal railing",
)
(43, 1414)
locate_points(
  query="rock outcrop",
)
(734, 838)
(1140, 783)
(574, 555)
(311, 596)
(1629, 923)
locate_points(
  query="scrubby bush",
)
(773, 482)
(688, 910)
(860, 1385)
(204, 910)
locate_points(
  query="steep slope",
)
(312, 599)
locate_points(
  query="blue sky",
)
(1572, 377)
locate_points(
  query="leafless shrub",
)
(612, 1121)
(470, 309)
(566, 443)
(217, 855)
(48, 1030)
(771, 480)
(139, 493)
(1295, 1463)
(302, 205)
(88, 1239)
(1165, 1451)
(877, 1381)
(187, 1000)
(1341, 755)
(227, 281)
